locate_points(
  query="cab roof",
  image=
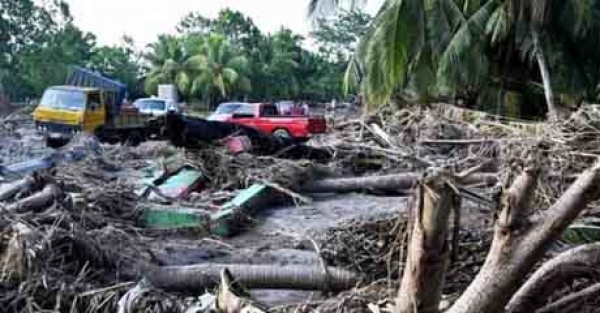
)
(75, 88)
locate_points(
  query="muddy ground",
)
(280, 236)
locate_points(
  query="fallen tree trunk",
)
(10, 190)
(38, 201)
(394, 183)
(568, 266)
(428, 252)
(197, 278)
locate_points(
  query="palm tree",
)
(167, 58)
(444, 41)
(216, 71)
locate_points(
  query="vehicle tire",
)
(56, 143)
(282, 132)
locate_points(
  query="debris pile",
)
(75, 237)
(376, 248)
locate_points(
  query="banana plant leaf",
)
(582, 233)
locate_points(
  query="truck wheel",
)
(56, 143)
(281, 132)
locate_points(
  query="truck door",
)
(95, 112)
(245, 115)
(268, 118)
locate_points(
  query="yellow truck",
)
(89, 103)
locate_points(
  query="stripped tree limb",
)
(37, 201)
(198, 278)
(10, 190)
(572, 302)
(567, 266)
(403, 182)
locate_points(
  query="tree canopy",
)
(473, 49)
(208, 59)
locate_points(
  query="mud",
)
(280, 235)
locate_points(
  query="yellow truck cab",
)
(90, 103)
(68, 109)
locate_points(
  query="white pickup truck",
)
(156, 106)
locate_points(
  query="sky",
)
(144, 20)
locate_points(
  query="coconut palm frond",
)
(230, 75)
(182, 81)
(464, 62)
(353, 76)
(498, 26)
(444, 18)
(397, 38)
(239, 63)
(579, 17)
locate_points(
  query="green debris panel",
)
(233, 214)
(180, 184)
(231, 217)
(174, 218)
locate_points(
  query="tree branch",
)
(566, 304)
(569, 265)
(518, 246)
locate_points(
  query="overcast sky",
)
(144, 20)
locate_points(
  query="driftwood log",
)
(394, 183)
(37, 201)
(10, 190)
(197, 278)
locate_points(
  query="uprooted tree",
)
(522, 235)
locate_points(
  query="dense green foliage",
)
(38, 43)
(480, 50)
(275, 66)
(209, 60)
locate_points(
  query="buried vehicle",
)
(89, 103)
(267, 119)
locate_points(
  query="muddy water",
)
(279, 236)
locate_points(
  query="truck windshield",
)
(228, 108)
(156, 105)
(72, 100)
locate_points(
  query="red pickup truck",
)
(266, 118)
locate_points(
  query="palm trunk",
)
(545, 73)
